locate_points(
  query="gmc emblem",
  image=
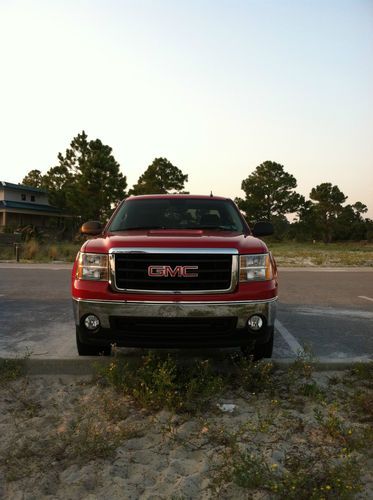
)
(168, 271)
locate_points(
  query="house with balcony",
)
(24, 205)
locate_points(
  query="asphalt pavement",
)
(329, 311)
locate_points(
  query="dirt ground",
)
(72, 438)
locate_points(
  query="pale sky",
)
(215, 86)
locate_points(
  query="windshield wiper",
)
(133, 228)
(218, 228)
(195, 228)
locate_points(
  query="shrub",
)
(155, 383)
(30, 249)
(53, 252)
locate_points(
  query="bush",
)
(30, 249)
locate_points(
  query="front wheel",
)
(260, 351)
(91, 350)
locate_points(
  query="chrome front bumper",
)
(172, 309)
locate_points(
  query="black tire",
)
(264, 350)
(259, 351)
(91, 350)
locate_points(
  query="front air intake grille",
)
(204, 272)
(162, 327)
(176, 332)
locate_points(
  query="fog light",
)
(91, 322)
(255, 322)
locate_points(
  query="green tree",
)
(269, 193)
(359, 209)
(160, 177)
(86, 182)
(350, 225)
(58, 181)
(93, 181)
(327, 208)
(34, 179)
(306, 227)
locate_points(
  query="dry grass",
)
(286, 254)
(30, 249)
(320, 254)
(33, 251)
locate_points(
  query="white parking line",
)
(366, 298)
(289, 339)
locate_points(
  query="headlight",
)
(92, 266)
(255, 267)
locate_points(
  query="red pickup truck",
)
(175, 271)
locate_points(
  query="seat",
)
(210, 220)
(143, 218)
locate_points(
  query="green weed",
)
(155, 383)
(313, 390)
(314, 477)
(10, 369)
(302, 368)
(361, 373)
(317, 477)
(351, 437)
(361, 403)
(254, 376)
(251, 471)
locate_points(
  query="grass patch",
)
(312, 477)
(295, 254)
(313, 390)
(361, 373)
(10, 369)
(34, 251)
(155, 383)
(286, 253)
(362, 404)
(254, 377)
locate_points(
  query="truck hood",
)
(163, 238)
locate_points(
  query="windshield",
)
(177, 213)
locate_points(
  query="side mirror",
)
(262, 229)
(92, 227)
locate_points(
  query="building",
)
(24, 205)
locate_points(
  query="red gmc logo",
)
(172, 272)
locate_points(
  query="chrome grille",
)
(217, 271)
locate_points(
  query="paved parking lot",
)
(329, 311)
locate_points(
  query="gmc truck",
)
(175, 271)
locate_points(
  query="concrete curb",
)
(88, 365)
(326, 364)
(68, 366)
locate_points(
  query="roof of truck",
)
(162, 196)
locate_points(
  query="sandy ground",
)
(66, 438)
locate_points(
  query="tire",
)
(264, 350)
(259, 351)
(91, 350)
